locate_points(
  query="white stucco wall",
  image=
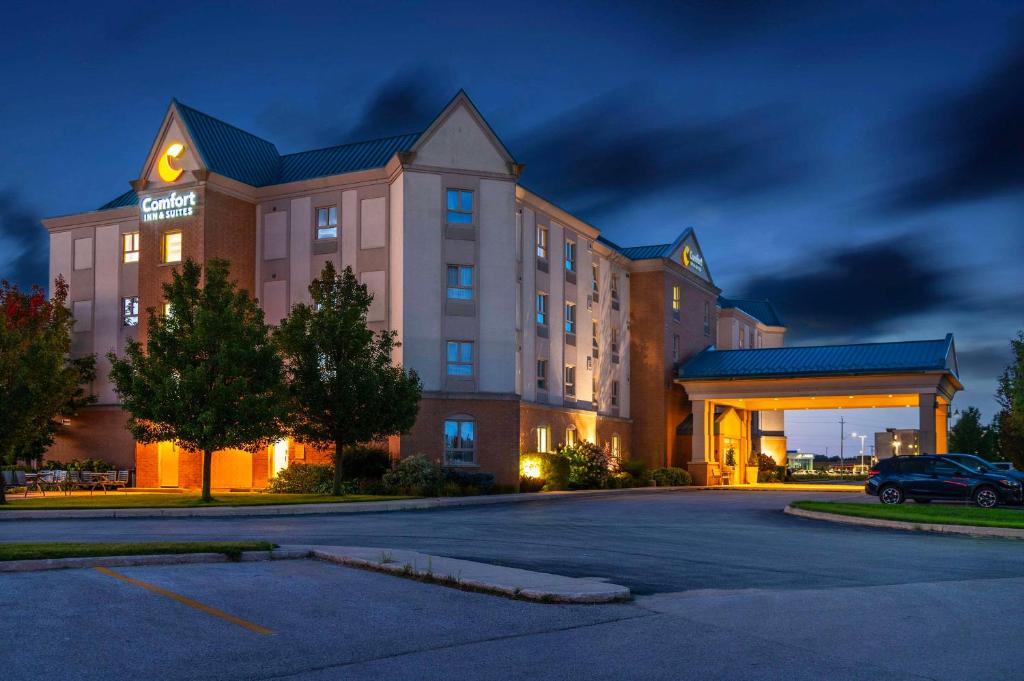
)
(107, 308)
(422, 284)
(497, 281)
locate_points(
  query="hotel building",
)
(527, 326)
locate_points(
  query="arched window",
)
(459, 439)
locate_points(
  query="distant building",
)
(897, 441)
(803, 461)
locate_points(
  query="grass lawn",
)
(123, 500)
(232, 549)
(920, 513)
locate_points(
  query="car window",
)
(970, 462)
(946, 468)
(915, 466)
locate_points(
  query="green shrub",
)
(588, 465)
(552, 468)
(637, 470)
(364, 463)
(671, 477)
(621, 480)
(768, 470)
(531, 484)
(415, 475)
(304, 478)
(467, 483)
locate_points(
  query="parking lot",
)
(728, 588)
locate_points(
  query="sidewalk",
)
(388, 506)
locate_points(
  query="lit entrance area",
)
(725, 388)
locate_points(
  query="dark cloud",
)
(984, 361)
(618, 149)
(970, 143)
(404, 103)
(854, 292)
(24, 249)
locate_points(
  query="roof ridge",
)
(349, 144)
(944, 339)
(223, 122)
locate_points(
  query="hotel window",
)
(593, 331)
(171, 251)
(570, 380)
(590, 363)
(543, 439)
(593, 388)
(130, 247)
(327, 222)
(460, 282)
(760, 339)
(615, 286)
(615, 393)
(570, 255)
(677, 301)
(460, 358)
(460, 207)
(707, 319)
(742, 338)
(167, 310)
(459, 440)
(750, 338)
(570, 318)
(542, 242)
(675, 347)
(130, 311)
(615, 341)
(616, 447)
(542, 308)
(570, 436)
(542, 374)
(593, 280)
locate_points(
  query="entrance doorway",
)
(278, 457)
(167, 464)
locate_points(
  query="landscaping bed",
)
(129, 500)
(912, 513)
(41, 551)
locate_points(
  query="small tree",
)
(343, 386)
(1010, 395)
(208, 378)
(968, 435)
(38, 379)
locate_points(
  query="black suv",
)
(926, 477)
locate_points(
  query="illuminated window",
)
(543, 439)
(570, 380)
(167, 310)
(171, 247)
(460, 358)
(593, 388)
(570, 318)
(570, 436)
(459, 440)
(130, 311)
(460, 207)
(542, 374)
(130, 247)
(542, 242)
(615, 393)
(570, 255)
(677, 301)
(542, 308)
(460, 282)
(616, 447)
(327, 222)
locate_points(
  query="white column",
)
(926, 423)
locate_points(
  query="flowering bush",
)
(588, 465)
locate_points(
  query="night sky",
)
(861, 164)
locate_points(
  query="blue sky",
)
(862, 164)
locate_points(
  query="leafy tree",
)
(209, 377)
(343, 386)
(969, 436)
(38, 379)
(1010, 396)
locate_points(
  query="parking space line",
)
(187, 601)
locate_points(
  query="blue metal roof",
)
(129, 198)
(345, 158)
(823, 360)
(647, 252)
(761, 310)
(231, 151)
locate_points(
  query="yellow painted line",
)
(188, 601)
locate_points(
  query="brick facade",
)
(95, 433)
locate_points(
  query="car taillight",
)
(873, 472)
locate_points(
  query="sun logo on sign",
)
(686, 256)
(167, 172)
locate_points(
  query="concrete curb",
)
(373, 506)
(465, 574)
(152, 559)
(969, 530)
